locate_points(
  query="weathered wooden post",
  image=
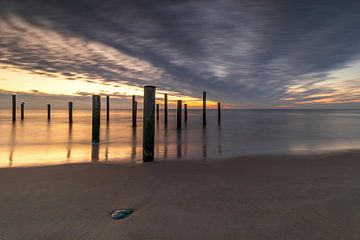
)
(107, 108)
(49, 112)
(185, 113)
(96, 118)
(149, 123)
(204, 109)
(22, 111)
(13, 107)
(70, 112)
(166, 110)
(133, 111)
(178, 115)
(219, 113)
(157, 112)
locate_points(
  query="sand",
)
(264, 197)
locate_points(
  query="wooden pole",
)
(13, 107)
(178, 115)
(185, 113)
(166, 110)
(204, 109)
(22, 111)
(219, 113)
(96, 118)
(49, 112)
(70, 112)
(149, 123)
(107, 108)
(157, 112)
(133, 111)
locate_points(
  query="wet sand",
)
(264, 197)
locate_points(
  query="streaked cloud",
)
(246, 53)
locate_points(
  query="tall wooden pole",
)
(133, 111)
(70, 112)
(166, 110)
(157, 112)
(149, 123)
(219, 113)
(13, 107)
(96, 118)
(185, 113)
(22, 111)
(49, 112)
(204, 109)
(178, 115)
(107, 108)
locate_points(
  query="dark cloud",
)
(239, 51)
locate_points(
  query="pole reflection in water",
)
(133, 144)
(178, 144)
(219, 139)
(204, 144)
(157, 133)
(185, 140)
(107, 139)
(95, 152)
(12, 143)
(166, 142)
(69, 143)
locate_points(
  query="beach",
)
(263, 197)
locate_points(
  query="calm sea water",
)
(35, 141)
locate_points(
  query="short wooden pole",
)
(219, 113)
(70, 112)
(185, 113)
(133, 111)
(96, 118)
(13, 107)
(22, 111)
(49, 112)
(157, 112)
(166, 109)
(149, 123)
(204, 109)
(107, 108)
(178, 115)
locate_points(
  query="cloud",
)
(249, 53)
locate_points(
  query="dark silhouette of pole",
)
(22, 111)
(219, 112)
(49, 112)
(70, 112)
(166, 110)
(157, 112)
(107, 108)
(149, 123)
(204, 109)
(178, 115)
(185, 113)
(96, 118)
(13, 107)
(133, 111)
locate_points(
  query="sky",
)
(245, 54)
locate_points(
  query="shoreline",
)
(277, 155)
(252, 197)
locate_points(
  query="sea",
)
(35, 141)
